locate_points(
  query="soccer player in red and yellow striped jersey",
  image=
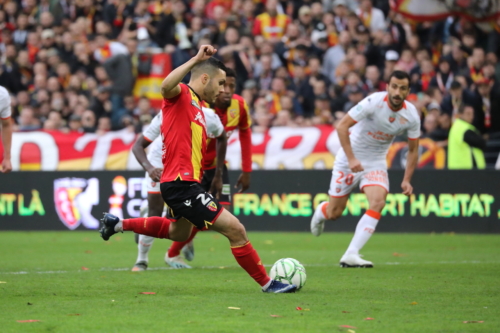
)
(184, 134)
(234, 114)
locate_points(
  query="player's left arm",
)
(411, 164)
(6, 141)
(245, 133)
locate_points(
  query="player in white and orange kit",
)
(361, 161)
(6, 126)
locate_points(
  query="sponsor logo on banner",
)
(74, 199)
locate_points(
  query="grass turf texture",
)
(441, 280)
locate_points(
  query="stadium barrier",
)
(444, 201)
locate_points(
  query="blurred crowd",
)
(71, 65)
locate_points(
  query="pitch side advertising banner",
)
(444, 201)
(276, 149)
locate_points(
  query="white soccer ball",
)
(289, 271)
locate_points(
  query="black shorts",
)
(190, 201)
(206, 182)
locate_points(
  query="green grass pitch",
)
(75, 282)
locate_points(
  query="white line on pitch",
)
(106, 269)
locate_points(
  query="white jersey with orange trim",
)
(5, 110)
(152, 134)
(377, 125)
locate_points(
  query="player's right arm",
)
(170, 86)
(6, 140)
(355, 115)
(139, 150)
(5, 114)
(343, 131)
(142, 142)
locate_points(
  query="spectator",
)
(373, 80)
(75, 123)
(458, 97)
(465, 143)
(340, 9)
(101, 106)
(27, 120)
(486, 116)
(88, 121)
(271, 24)
(444, 77)
(355, 95)
(335, 55)
(103, 125)
(476, 62)
(371, 17)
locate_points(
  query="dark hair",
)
(230, 72)
(462, 107)
(209, 66)
(400, 75)
(455, 85)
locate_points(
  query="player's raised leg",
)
(330, 210)
(155, 208)
(244, 253)
(376, 196)
(341, 185)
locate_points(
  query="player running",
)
(153, 166)
(5, 113)
(184, 145)
(234, 113)
(375, 121)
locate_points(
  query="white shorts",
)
(344, 181)
(151, 185)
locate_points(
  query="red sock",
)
(176, 247)
(249, 260)
(153, 226)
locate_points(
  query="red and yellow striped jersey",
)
(237, 115)
(184, 137)
(268, 26)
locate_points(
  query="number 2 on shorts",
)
(348, 180)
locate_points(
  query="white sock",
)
(319, 209)
(119, 226)
(264, 287)
(145, 243)
(364, 230)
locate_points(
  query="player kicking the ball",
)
(184, 137)
(153, 166)
(375, 121)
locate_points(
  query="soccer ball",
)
(289, 271)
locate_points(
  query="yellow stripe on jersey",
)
(233, 113)
(196, 144)
(249, 119)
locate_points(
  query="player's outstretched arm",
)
(140, 154)
(343, 131)
(170, 86)
(221, 147)
(411, 164)
(6, 140)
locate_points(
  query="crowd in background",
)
(71, 65)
